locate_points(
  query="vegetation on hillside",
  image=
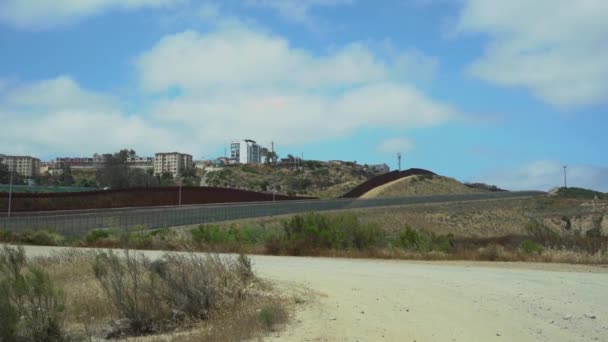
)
(363, 234)
(420, 185)
(581, 193)
(315, 178)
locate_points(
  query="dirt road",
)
(369, 300)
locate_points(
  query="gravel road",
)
(379, 300)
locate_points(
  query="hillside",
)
(579, 193)
(419, 185)
(315, 178)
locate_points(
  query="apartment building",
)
(25, 166)
(246, 152)
(173, 162)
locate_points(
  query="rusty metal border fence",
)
(80, 222)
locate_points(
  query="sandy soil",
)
(378, 300)
(419, 185)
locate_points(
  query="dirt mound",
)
(382, 180)
(420, 185)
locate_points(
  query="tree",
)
(272, 158)
(65, 177)
(116, 173)
(167, 179)
(4, 174)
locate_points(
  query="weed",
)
(272, 314)
(529, 247)
(245, 267)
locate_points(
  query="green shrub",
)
(31, 307)
(272, 314)
(9, 318)
(530, 247)
(310, 233)
(96, 235)
(40, 238)
(212, 234)
(420, 241)
(6, 236)
(138, 237)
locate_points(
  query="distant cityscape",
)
(244, 151)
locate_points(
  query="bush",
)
(125, 282)
(245, 267)
(96, 235)
(212, 234)
(420, 241)
(272, 314)
(310, 233)
(31, 307)
(41, 238)
(529, 247)
(155, 296)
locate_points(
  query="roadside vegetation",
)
(180, 297)
(581, 193)
(343, 235)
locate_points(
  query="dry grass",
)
(420, 185)
(489, 253)
(88, 309)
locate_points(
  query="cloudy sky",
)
(505, 92)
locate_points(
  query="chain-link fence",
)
(77, 223)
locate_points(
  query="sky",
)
(502, 92)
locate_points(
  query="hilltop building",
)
(99, 159)
(246, 152)
(25, 166)
(172, 162)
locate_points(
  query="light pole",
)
(399, 160)
(565, 177)
(179, 203)
(10, 194)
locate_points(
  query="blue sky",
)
(493, 91)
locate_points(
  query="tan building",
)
(24, 165)
(173, 162)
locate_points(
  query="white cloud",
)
(202, 90)
(42, 14)
(557, 49)
(545, 175)
(397, 144)
(298, 11)
(236, 83)
(235, 56)
(57, 116)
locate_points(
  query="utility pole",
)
(10, 192)
(179, 204)
(565, 177)
(399, 160)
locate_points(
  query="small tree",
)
(65, 177)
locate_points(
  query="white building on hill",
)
(246, 152)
